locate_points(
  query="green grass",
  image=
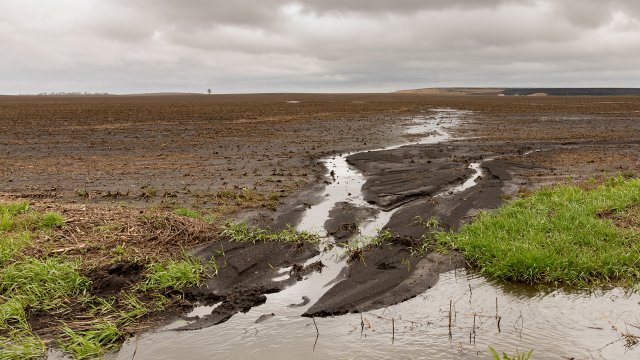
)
(9, 212)
(35, 285)
(42, 283)
(188, 213)
(19, 345)
(173, 275)
(556, 235)
(89, 325)
(91, 344)
(194, 214)
(243, 232)
(16, 216)
(50, 220)
(505, 356)
(12, 244)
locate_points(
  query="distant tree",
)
(209, 91)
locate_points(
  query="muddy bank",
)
(246, 272)
(397, 176)
(383, 275)
(344, 218)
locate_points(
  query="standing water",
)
(459, 318)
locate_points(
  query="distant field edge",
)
(525, 91)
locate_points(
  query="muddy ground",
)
(256, 156)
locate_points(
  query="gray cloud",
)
(305, 45)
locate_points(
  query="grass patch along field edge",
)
(565, 234)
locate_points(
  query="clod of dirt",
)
(264, 317)
(305, 301)
(298, 271)
(111, 279)
(344, 218)
(235, 302)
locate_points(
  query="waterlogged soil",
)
(170, 151)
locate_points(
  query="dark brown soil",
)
(246, 273)
(109, 280)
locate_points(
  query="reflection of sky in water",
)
(556, 324)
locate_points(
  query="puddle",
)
(554, 323)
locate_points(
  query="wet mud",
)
(111, 279)
(383, 276)
(344, 219)
(246, 272)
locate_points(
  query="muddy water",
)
(556, 324)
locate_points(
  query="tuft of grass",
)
(505, 356)
(15, 216)
(9, 212)
(42, 283)
(173, 275)
(357, 246)
(12, 244)
(20, 345)
(91, 344)
(194, 214)
(53, 286)
(243, 232)
(188, 213)
(35, 285)
(50, 220)
(556, 235)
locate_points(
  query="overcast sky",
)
(124, 46)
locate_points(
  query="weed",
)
(9, 212)
(38, 285)
(357, 247)
(148, 191)
(194, 214)
(431, 224)
(134, 307)
(227, 193)
(516, 356)
(118, 251)
(213, 265)
(82, 193)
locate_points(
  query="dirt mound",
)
(111, 279)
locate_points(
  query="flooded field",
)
(458, 318)
(343, 166)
